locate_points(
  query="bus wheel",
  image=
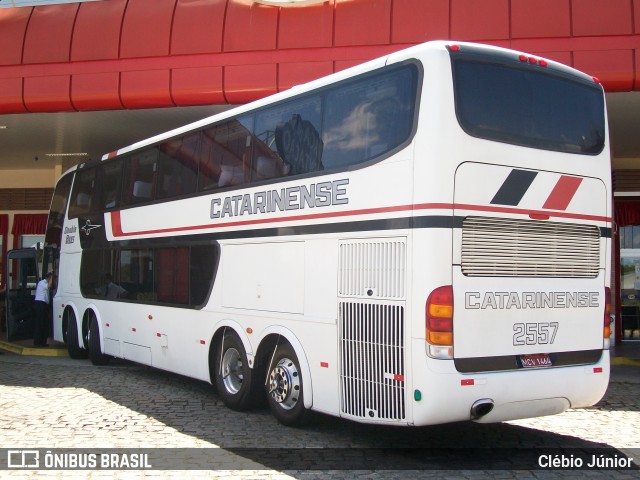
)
(73, 346)
(95, 353)
(233, 375)
(285, 392)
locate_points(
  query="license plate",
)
(535, 361)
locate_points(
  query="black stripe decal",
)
(98, 240)
(514, 187)
(403, 223)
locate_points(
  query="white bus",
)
(421, 239)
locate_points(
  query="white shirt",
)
(42, 291)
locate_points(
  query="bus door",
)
(22, 279)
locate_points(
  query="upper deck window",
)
(528, 106)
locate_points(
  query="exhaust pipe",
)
(480, 408)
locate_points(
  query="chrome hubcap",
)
(284, 384)
(232, 370)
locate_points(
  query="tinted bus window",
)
(178, 166)
(201, 272)
(82, 198)
(528, 107)
(368, 118)
(58, 211)
(140, 177)
(226, 154)
(288, 139)
(136, 274)
(111, 181)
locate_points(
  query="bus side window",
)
(82, 198)
(136, 274)
(110, 175)
(178, 173)
(201, 272)
(369, 117)
(209, 160)
(226, 156)
(172, 275)
(140, 177)
(288, 139)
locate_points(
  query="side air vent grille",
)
(373, 268)
(372, 367)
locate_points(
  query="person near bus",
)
(41, 328)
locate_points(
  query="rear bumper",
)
(446, 395)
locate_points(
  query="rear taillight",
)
(439, 322)
(607, 317)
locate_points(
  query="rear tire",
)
(285, 392)
(236, 383)
(73, 347)
(95, 352)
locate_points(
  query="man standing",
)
(41, 328)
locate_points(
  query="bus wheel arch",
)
(238, 384)
(91, 328)
(287, 387)
(70, 333)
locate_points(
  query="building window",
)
(630, 281)
(4, 231)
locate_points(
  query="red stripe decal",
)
(562, 193)
(116, 221)
(116, 225)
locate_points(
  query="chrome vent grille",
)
(498, 247)
(372, 364)
(373, 268)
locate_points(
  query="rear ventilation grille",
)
(373, 268)
(372, 368)
(498, 247)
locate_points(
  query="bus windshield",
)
(529, 106)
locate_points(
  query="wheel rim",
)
(232, 370)
(284, 384)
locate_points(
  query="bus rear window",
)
(522, 106)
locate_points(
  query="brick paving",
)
(53, 403)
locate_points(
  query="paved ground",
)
(57, 403)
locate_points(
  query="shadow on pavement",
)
(193, 408)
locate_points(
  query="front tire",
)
(237, 384)
(285, 390)
(95, 352)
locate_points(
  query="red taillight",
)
(607, 312)
(439, 316)
(454, 48)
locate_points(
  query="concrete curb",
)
(38, 352)
(625, 361)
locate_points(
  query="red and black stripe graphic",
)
(519, 181)
(514, 187)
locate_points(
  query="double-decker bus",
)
(421, 239)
